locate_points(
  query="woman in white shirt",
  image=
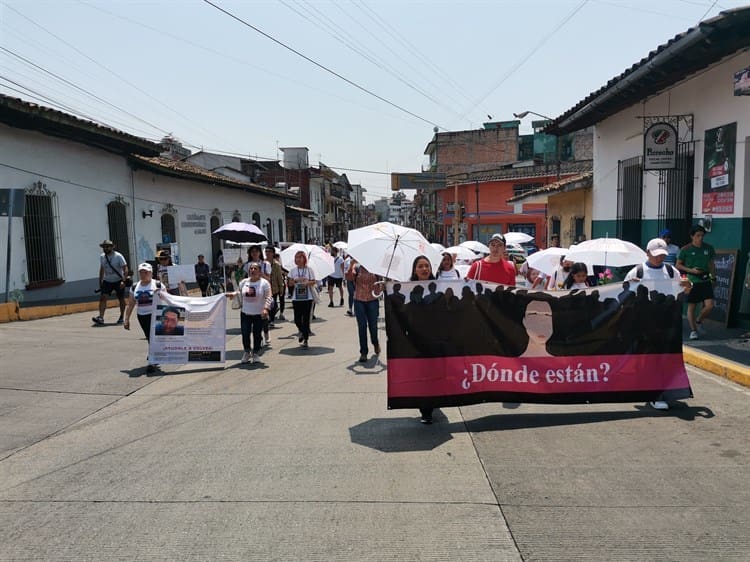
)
(301, 279)
(256, 300)
(447, 268)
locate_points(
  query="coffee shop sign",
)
(198, 222)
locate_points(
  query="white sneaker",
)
(254, 358)
(268, 339)
(659, 405)
(247, 357)
(693, 335)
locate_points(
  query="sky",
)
(361, 83)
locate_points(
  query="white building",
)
(82, 183)
(690, 84)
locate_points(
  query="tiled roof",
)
(16, 112)
(526, 172)
(580, 181)
(670, 63)
(185, 170)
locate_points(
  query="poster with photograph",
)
(719, 163)
(188, 330)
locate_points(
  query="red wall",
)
(494, 208)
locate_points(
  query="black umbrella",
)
(240, 232)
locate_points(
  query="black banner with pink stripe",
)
(452, 343)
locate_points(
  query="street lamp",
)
(525, 113)
(557, 137)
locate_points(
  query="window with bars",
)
(630, 199)
(168, 229)
(118, 228)
(41, 228)
(256, 219)
(578, 229)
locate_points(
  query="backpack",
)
(639, 271)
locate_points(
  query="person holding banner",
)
(421, 270)
(256, 301)
(657, 269)
(494, 268)
(301, 280)
(142, 298)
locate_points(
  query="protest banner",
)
(453, 343)
(188, 329)
(181, 273)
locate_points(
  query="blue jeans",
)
(367, 318)
(350, 291)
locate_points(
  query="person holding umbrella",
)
(301, 280)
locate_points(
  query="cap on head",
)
(107, 243)
(657, 247)
(665, 232)
(498, 237)
(145, 267)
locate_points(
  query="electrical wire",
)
(108, 70)
(340, 34)
(530, 54)
(69, 83)
(319, 65)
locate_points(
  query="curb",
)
(730, 370)
(12, 312)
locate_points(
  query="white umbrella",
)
(546, 261)
(240, 232)
(462, 269)
(390, 250)
(517, 237)
(320, 261)
(461, 252)
(439, 247)
(475, 246)
(341, 245)
(606, 252)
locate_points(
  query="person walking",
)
(494, 268)
(256, 301)
(447, 268)
(141, 298)
(657, 269)
(697, 261)
(113, 273)
(421, 270)
(366, 308)
(277, 283)
(336, 278)
(164, 259)
(202, 274)
(301, 280)
(349, 276)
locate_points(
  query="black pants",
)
(251, 323)
(302, 312)
(203, 284)
(145, 321)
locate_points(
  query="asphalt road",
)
(297, 458)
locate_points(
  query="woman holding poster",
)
(256, 301)
(142, 298)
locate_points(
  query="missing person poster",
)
(719, 162)
(452, 343)
(188, 329)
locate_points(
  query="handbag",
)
(315, 294)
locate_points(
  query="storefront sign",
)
(660, 147)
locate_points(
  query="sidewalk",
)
(721, 351)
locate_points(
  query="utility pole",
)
(476, 189)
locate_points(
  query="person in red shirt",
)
(494, 268)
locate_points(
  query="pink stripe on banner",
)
(448, 376)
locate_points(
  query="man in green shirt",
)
(697, 261)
